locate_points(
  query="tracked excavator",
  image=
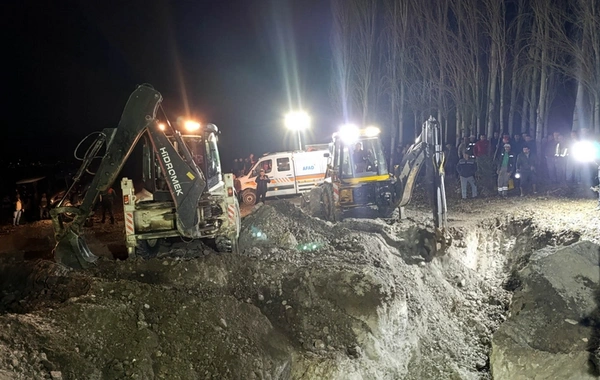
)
(186, 196)
(358, 176)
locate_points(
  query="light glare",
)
(585, 151)
(349, 133)
(372, 131)
(297, 121)
(191, 125)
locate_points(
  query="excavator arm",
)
(426, 149)
(186, 182)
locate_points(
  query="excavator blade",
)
(72, 250)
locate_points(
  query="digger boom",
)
(186, 181)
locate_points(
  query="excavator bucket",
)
(72, 250)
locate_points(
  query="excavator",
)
(185, 194)
(358, 175)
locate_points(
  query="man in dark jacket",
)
(506, 167)
(451, 160)
(526, 169)
(261, 186)
(467, 167)
(107, 200)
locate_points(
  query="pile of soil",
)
(305, 298)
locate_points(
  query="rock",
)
(540, 340)
(56, 375)
(318, 344)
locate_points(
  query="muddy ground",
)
(305, 299)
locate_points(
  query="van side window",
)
(265, 165)
(283, 164)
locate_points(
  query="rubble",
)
(305, 298)
(554, 317)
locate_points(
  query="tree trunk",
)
(514, 69)
(501, 105)
(533, 98)
(541, 108)
(596, 121)
(493, 77)
(579, 110)
(401, 112)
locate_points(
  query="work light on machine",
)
(349, 133)
(586, 151)
(372, 131)
(191, 125)
(162, 126)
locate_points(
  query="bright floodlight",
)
(161, 126)
(585, 151)
(372, 131)
(349, 133)
(297, 121)
(191, 125)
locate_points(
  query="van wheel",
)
(249, 197)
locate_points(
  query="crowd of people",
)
(26, 206)
(517, 163)
(242, 166)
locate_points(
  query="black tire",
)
(226, 244)
(147, 249)
(249, 197)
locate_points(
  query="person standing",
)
(560, 157)
(17, 211)
(261, 186)
(549, 153)
(517, 144)
(107, 201)
(506, 166)
(462, 147)
(471, 146)
(482, 147)
(451, 160)
(572, 167)
(467, 167)
(494, 142)
(526, 169)
(43, 207)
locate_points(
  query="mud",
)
(306, 299)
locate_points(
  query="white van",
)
(290, 173)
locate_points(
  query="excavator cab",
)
(203, 150)
(358, 175)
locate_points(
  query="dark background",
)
(241, 64)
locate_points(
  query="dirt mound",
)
(554, 318)
(305, 298)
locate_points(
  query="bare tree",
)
(396, 42)
(493, 23)
(551, 40)
(365, 17)
(586, 68)
(342, 48)
(518, 24)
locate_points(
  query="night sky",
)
(240, 64)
